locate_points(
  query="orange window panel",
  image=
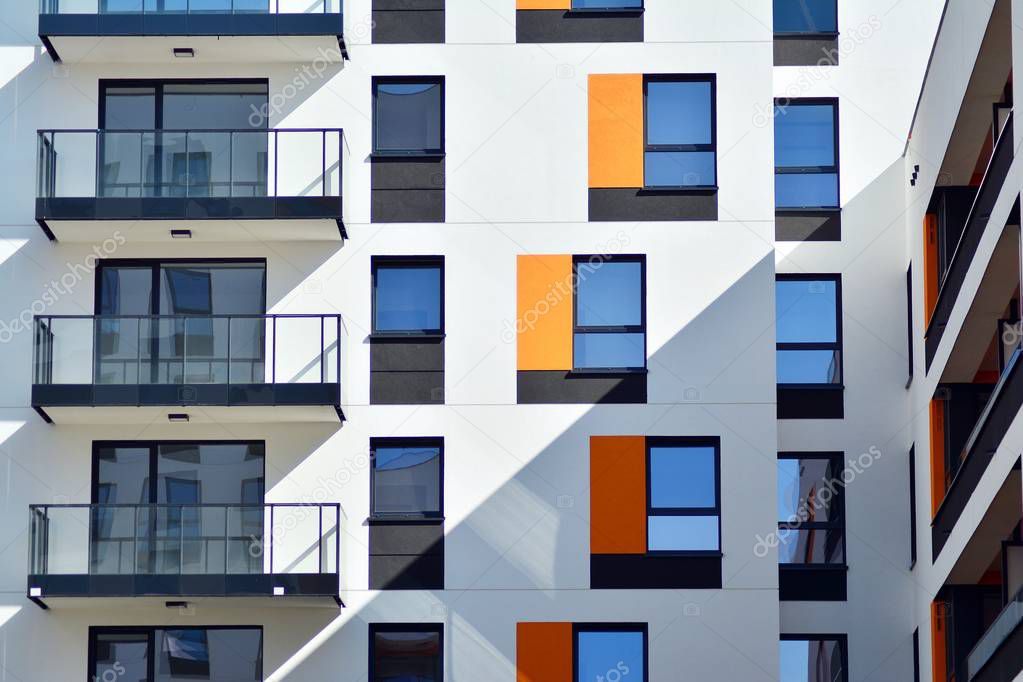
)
(616, 130)
(543, 316)
(938, 654)
(543, 4)
(930, 265)
(937, 419)
(617, 495)
(543, 652)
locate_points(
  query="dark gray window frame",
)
(390, 441)
(786, 103)
(578, 260)
(710, 78)
(815, 345)
(684, 441)
(404, 80)
(376, 262)
(840, 524)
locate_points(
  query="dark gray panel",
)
(811, 403)
(812, 583)
(407, 206)
(637, 204)
(408, 173)
(401, 572)
(546, 387)
(406, 355)
(408, 26)
(560, 26)
(406, 388)
(406, 538)
(380, 5)
(816, 226)
(805, 51)
(654, 572)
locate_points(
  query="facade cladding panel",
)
(559, 366)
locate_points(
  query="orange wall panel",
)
(544, 313)
(616, 130)
(937, 419)
(543, 652)
(617, 495)
(543, 4)
(938, 655)
(930, 265)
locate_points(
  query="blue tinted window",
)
(805, 16)
(809, 367)
(610, 655)
(679, 169)
(406, 479)
(812, 661)
(596, 351)
(408, 298)
(683, 476)
(607, 4)
(804, 135)
(807, 311)
(682, 533)
(678, 113)
(408, 117)
(806, 190)
(609, 294)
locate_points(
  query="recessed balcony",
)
(276, 551)
(116, 369)
(155, 31)
(209, 185)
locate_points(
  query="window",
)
(607, 4)
(809, 319)
(912, 506)
(811, 509)
(400, 653)
(408, 296)
(610, 652)
(408, 115)
(806, 658)
(806, 154)
(407, 477)
(683, 514)
(610, 313)
(805, 16)
(916, 655)
(909, 322)
(232, 654)
(680, 132)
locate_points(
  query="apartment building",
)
(535, 340)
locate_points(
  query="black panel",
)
(170, 208)
(543, 387)
(811, 403)
(562, 26)
(160, 395)
(175, 585)
(406, 371)
(639, 204)
(406, 555)
(407, 190)
(654, 571)
(808, 226)
(408, 21)
(806, 50)
(812, 583)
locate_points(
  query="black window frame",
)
(684, 441)
(642, 628)
(409, 80)
(405, 441)
(817, 345)
(785, 103)
(841, 639)
(710, 78)
(605, 10)
(432, 628)
(838, 459)
(909, 322)
(916, 655)
(150, 631)
(784, 34)
(578, 260)
(912, 506)
(376, 262)
(158, 85)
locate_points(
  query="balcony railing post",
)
(273, 352)
(323, 351)
(337, 354)
(269, 541)
(319, 542)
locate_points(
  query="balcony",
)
(119, 369)
(151, 31)
(999, 653)
(184, 550)
(212, 185)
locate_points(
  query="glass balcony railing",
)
(1005, 624)
(190, 6)
(150, 542)
(251, 173)
(183, 359)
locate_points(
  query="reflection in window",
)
(610, 315)
(683, 510)
(408, 296)
(806, 154)
(610, 652)
(680, 132)
(411, 653)
(607, 4)
(408, 115)
(811, 509)
(805, 16)
(808, 314)
(233, 654)
(406, 477)
(812, 660)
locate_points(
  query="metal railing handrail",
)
(41, 131)
(977, 658)
(257, 316)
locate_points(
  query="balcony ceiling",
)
(208, 49)
(291, 230)
(218, 414)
